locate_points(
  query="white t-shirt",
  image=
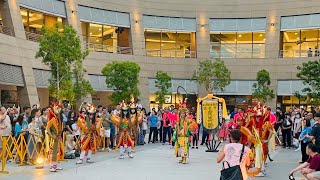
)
(6, 122)
(76, 129)
(115, 112)
(144, 124)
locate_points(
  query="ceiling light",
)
(260, 35)
(90, 33)
(295, 33)
(240, 35)
(264, 39)
(99, 29)
(97, 40)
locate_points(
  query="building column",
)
(28, 94)
(272, 35)
(144, 92)
(203, 37)
(137, 34)
(73, 18)
(12, 18)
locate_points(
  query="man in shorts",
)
(311, 168)
(106, 131)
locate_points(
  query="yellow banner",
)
(210, 114)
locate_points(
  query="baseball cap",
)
(317, 115)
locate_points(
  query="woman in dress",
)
(222, 134)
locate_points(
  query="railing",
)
(6, 30)
(296, 53)
(33, 36)
(227, 50)
(239, 55)
(171, 53)
(108, 48)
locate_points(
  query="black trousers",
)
(153, 133)
(195, 139)
(160, 133)
(286, 135)
(205, 137)
(305, 157)
(166, 131)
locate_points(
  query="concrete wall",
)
(19, 51)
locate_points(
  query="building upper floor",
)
(177, 29)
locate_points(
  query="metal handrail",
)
(108, 48)
(296, 53)
(33, 36)
(6, 30)
(171, 53)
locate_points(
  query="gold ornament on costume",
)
(56, 107)
(124, 106)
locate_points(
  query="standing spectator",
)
(34, 140)
(315, 134)
(222, 133)
(166, 126)
(106, 117)
(234, 113)
(5, 126)
(138, 104)
(71, 120)
(316, 52)
(159, 126)
(144, 126)
(304, 140)
(311, 168)
(99, 110)
(44, 116)
(195, 138)
(231, 153)
(286, 131)
(280, 117)
(113, 138)
(310, 118)
(153, 119)
(18, 130)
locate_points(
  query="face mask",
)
(297, 116)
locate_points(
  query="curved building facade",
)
(172, 36)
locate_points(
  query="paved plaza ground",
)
(151, 162)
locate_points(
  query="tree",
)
(309, 73)
(123, 77)
(261, 89)
(163, 83)
(60, 49)
(214, 75)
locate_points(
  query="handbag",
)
(234, 172)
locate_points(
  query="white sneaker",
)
(79, 162)
(121, 156)
(130, 155)
(89, 161)
(53, 169)
(59, 168)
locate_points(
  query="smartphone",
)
(291, 177)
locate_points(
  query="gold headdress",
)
(124, 106)
(56, 107)
(132, 105)
(183, 106)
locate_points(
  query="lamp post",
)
(179, 93)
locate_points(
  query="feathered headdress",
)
(183, 106)
(124, 106)
(56, 106)
(91, 108)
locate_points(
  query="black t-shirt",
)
(69, 123)
(280, 117)
(287, 123)
(316, 134)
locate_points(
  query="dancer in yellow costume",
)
(54, 129)
(183, 129)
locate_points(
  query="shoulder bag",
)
(234, 172)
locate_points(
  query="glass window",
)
(258, 48)
(25, 19)
(300, 43)
(36, 21)
(228, 45)
(170, 44)
(244, 45)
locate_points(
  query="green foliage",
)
(214, 75)
(261, 89)
(163, 83)
(61, 51)
(310, 74)
(124, 78)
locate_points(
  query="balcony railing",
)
(108, 48)
(33, 36)
(6, 30)
(172, 53)
(296, 53)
